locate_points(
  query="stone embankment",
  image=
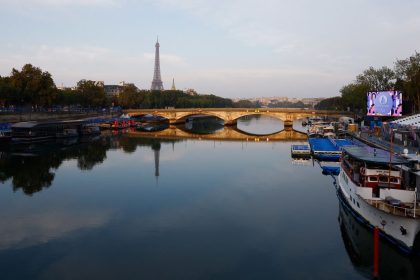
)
(44, 116)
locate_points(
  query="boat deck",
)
(403, 210)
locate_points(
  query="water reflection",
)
(203, 124)
(358, 241)
(260, 125)
(223, 210)
(31, 167)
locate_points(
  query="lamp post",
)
(390, 157)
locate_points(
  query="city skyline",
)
(233, 49)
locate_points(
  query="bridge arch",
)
(139, 115)
(183, 117)
(273, 115)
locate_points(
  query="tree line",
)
(404, 77)
(31, 86)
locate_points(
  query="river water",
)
(125, 207)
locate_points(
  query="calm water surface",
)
(122, 207)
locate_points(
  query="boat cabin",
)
(374, 169)
(37, 131)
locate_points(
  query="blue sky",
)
(231, 48)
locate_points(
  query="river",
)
(124, 207)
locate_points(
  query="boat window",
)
(373, 179)
(383, 179)
(394, 180)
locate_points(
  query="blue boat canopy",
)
(301, 147)
(373, 155)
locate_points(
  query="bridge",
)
(228, 133)
(231, 115)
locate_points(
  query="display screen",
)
(384, 103)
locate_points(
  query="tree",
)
(333, 103)
(92, 93)
(377, 79)
(7, 92)
(243, 103)
(354, 96)
(33, 86)
(129, 97)
(408, 79)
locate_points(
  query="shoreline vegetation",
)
(33, 90)
(404, 77)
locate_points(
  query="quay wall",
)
(45, 116)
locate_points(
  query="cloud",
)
(58, 3)
(69, 64)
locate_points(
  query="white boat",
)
(382, 192)
(328, 131)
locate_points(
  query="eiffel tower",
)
(157, 80)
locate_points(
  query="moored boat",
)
(88, 130)
(380, 189)
(302, 150)
(67, 133)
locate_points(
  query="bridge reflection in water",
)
(227, 133)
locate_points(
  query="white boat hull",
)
(401, 230)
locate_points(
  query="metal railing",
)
(408, 211)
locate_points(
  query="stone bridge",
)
(231, 115)
(228, 133)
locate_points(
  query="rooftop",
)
(374, 155)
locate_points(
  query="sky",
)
(230, 48)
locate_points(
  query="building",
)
(191, 92)
(115, 90)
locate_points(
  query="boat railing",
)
(405, 211)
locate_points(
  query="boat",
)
(5, 136)
(328, 131)
(302, 150)
(320, 130)
(324, 149)
(358, 242)
(87, 130)
(5, 133)
(382, 190)
(121, 124)
(33, 131)
(67, 133)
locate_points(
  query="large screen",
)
(384, 103)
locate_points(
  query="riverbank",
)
(46, 116)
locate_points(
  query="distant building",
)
(191, 92)
(266, 101)
(115, 90)
(66, 88)
(312, 101)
